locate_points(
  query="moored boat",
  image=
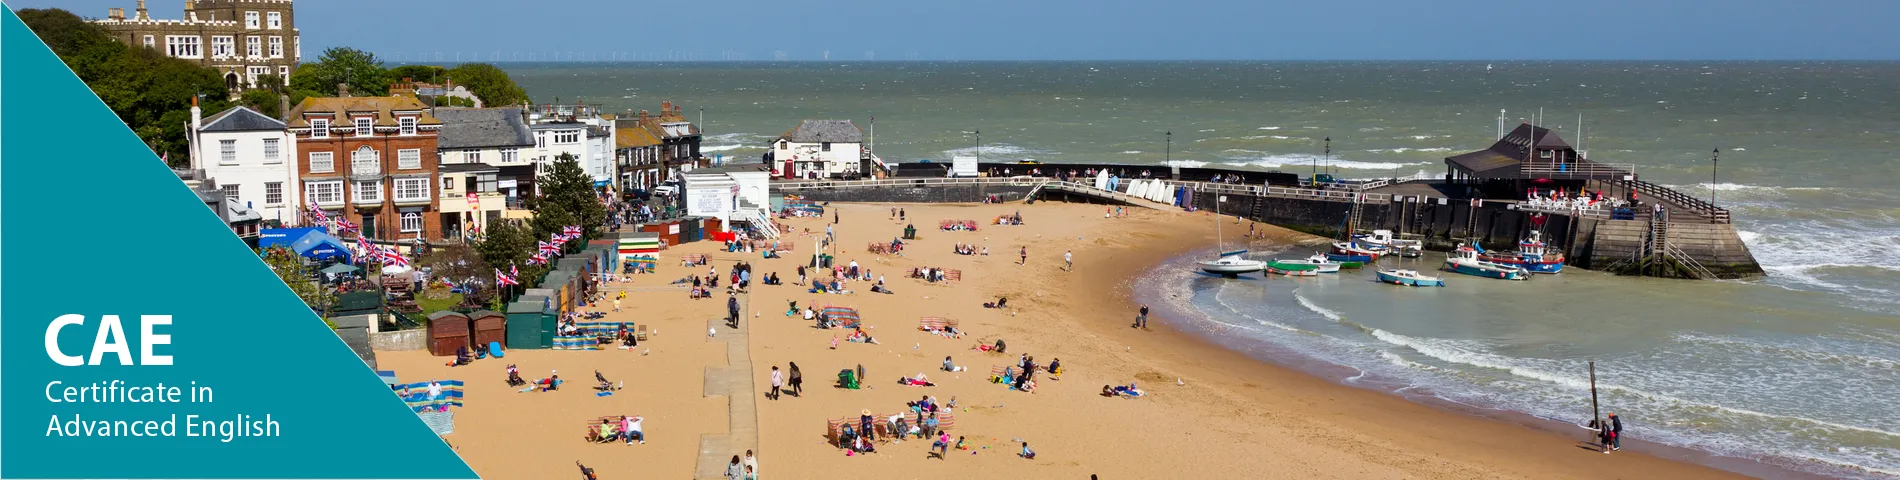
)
(1409, 278)
(1465, 260)
(1532, 255)
(1385, 240)
(1353, 252)
(1291, 273)
(1232, 264)
(1316, 263)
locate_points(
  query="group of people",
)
(779, 384)
(929, 274)
(743, 469)
(972, 249)
(1016, 219)
(627, 428)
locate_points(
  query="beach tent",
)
(321, 246)
(1101, 179)
(282, 237)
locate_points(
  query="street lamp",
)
(979, 144)
(1167, 151)
(1715, 161)
(1329, 153)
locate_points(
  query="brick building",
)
(372, 160)
(242, 39)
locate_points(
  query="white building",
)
(578, 130)
(821, 149)
(249, 156)
(731, 193)
(497, 137)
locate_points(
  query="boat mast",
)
(1220, 241)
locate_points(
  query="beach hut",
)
(524, 325)
(641, 249)
(448, 332)
(489, 326)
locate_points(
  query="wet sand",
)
(1229, 415)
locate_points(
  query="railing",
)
(1695, 268)
(1589, 211)
(1021, 181)
(1582, 169)
(1693, 205)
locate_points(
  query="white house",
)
(820, 149)
(249, 156)
(579, 130)
(495, 137)
(731, 193)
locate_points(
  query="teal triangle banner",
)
(190, 359)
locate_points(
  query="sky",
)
(507, 30)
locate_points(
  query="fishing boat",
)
(1532, 255)
(1384, 239)
(1310, 272)
(1409, 278)
(1230, 264)
(1465, 260)
(1354, 252)
(1316, 263)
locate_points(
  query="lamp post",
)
(979, 144)
(1715, 163)
(1329, 153)
(1167, 150)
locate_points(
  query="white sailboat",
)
(1230, 264)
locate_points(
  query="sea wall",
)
(931, 194)
(400, 340)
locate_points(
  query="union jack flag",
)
(504, 280)
(368, 248)
(390, 257)
(318, 213)
(558, 239)
(572, 231)
(344, 224)
(512, 272)
(548, 248)
(538, 259)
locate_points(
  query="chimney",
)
(643, 116)
(197, 123)
(116, 13)
(343, 90)
(283, 107)
(141, 11)
(666, 107)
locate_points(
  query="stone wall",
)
(932, 194)
(400, 340)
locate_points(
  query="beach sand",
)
(1230, 416)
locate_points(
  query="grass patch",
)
(432, 305)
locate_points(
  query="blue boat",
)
(1352, 252)
(1409, 278)
(1465, 260)
(1532, 255)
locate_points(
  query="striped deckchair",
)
(416, 395)
(578, 342)
(593, 428)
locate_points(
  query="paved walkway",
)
(734, 381)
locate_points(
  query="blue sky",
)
(1089, 30)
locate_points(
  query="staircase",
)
(762, 223)
(1418, 217)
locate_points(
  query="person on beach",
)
(1025, 256)
(750, 473)
(608, 431)
(778, 380)
(1068, 260)
(900, 214)
(798, 381)
(631, 429)
(942, 445)
(732, 310)
(751, 463)
(1605, 436)
(865, 422)
(1616, 432)
(734, 470)
(1141, 320)
(1027, 454)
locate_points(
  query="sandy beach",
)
(1208, 412)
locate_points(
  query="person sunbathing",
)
(918, 381)
(1108, 391)
(858, 335)
(880, 289)
(549, 384)
(461, 357)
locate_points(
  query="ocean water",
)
(1800, 368)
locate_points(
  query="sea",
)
(1799, 369)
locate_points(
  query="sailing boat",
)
(1351, 250)
(1230, 264)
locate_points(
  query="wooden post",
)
(1593, 393)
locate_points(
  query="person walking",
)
(733, 470)
(1605, 435)
(751, 463)
(1025, 256)
(798, 382)
(1141, 320)
(1616, 432)
(1068, 260)
(732, 310)
(778, 380)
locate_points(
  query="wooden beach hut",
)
(448, 332)
(489, 327)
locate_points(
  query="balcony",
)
(366, 170)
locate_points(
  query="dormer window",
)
(319, 128)
(408, 125)
(363, 126)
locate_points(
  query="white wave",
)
(1860, 361)
(1447, 351)
(722, 148)
(1747, 236)
(1184, 163)
(1372, 129)
(1408, 149)
(1323, 311)
(1247, 158)
(1131, 152)
(1429, 137)
(1206, 130)
(1269, 128)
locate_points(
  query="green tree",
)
(361, 70)
(568, 193)
(489, 83)
(291, 269)
(505, 244)
(150, 92)
(420, 73)
(263, 101)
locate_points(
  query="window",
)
(223, 46)
(412, 189)
(250, 20)
(781, 145)
(486, 183)
(319, 128)
(270, 151)
(364, 161)
(254, 46)
(254, 73)
(826, 147)
(448, 183)
(1544, 154)
(284, 73)
(471, 156)
(510, 155)
(408, 125)
(150, 41)
(411, 222)
(273, 193)
(370, 191)
(230, 191)
(184, 46)
(227, 152)
(567, 137)
(364, 126)
(276, 47)
(276, 20)
(322, 162)
(297, 41)
(540, 140)
(323, 193)
(408, 159)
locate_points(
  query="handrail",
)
(1692, 204)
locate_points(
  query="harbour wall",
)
(972, 193)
